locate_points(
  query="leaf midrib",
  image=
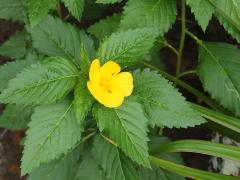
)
(127, 134)
(51, 132)
(130, 47)
(43, 83)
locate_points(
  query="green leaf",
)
(163, 104)
(88, 168)
(228, 13)
(54, 37)
(160, 14)
(38, 10)
(52, 132)
(126, 126)
(15, 47)
(219, 118)
(83, 101)
(112, 161)
(218, 70)
(108, 1)
(12, 10)
(15, 117)
(41, 83)
(203, 11)
(127, 47)
(10, 70)
(105, 27)
(157, 173)
(75, 7)
(85, 60)
(188, 172)
(63, 168)
(203, 147)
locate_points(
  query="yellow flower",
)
(107, 85)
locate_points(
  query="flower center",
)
(105, 83)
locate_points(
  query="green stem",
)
(189, 88)
(171, 48)
(199, 41)
(87, 137)
(182, 40)
(59, 9)
(187, 73)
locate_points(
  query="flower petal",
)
(111, 100)
(94, 74)
(109, 69)
(124, 81)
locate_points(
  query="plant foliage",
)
(69, 134)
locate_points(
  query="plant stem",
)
(87, 137)
(171, 48)
(187, 73)
(182, 40)
(189, 88)
(59, 9)
(199, 41)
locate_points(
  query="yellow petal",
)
(111, 100)
(94, 74)
(124, 81)
(110, 68)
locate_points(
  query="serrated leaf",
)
(88, 169)
(54, 37)
(52, 132)
(157, 174)
(107, 1)
(85, 60)
(163, 104)
(203, 11)
(15, 117)
(75, 7)
(83, 101)
(63, 168)
(112, 161)
(12, 10)
(219, 72)
(15, 47)
(105, 27)
(127, 47)
(228, 13)
(42, 83)
(126, 126)
(10, 70)
(38, 10)
(160, 14)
